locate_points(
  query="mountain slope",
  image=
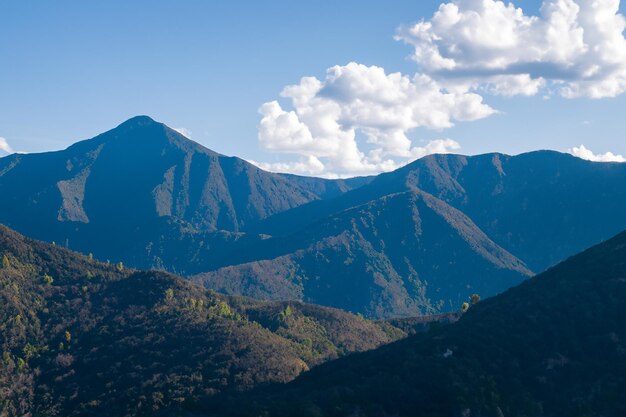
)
(147, 196)
(80, 337)
(129, 187)
(401, 255)
(553, 346)
(541, 206)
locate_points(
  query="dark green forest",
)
(82, 337)
(552, 346)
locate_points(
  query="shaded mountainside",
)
(553, 346)
(400, 255)
(80, 337)
(418, 240)
(541, 206)
(132, 187)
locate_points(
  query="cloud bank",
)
(5, 147)
(584, 153)
(357, 119)
(356, 107)
(574, 48)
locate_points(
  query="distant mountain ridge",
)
(531, 210)
(420, 239)
(146, 179)
(541, 206)
(400, 255)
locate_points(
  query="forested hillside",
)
(81, 337)
(552, 346)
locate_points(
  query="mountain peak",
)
(146, 131)
(140, 120)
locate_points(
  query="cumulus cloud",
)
(4, 146)
(355, 121)
(311, 165)
(306, 165)
(575, 48)
(183, 131)
(584, 153)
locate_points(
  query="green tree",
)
(68, 336)
(288, 311)
(119, 266)
(48, 279)
(20, 364)
(5, 262)
(223, 310)
(169, 294)
(29, 351)
(474, 299)
(465, 306)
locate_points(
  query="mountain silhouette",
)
(137, 192)
(541, 206)
(417, 240)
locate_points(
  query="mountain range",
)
(82, 337)
(141, 191)
(400, 255)
(170, 280)
(484, 223)
(419, 240)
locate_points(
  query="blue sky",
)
(72, 69)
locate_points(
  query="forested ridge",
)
(82, 337)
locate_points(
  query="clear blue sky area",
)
(72, 69)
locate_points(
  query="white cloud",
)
(435, 146)
(183, 131)
(4, 146)
(584, 153)
(307, 165)
(356, 120)
(310, 165)
(575, 48)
